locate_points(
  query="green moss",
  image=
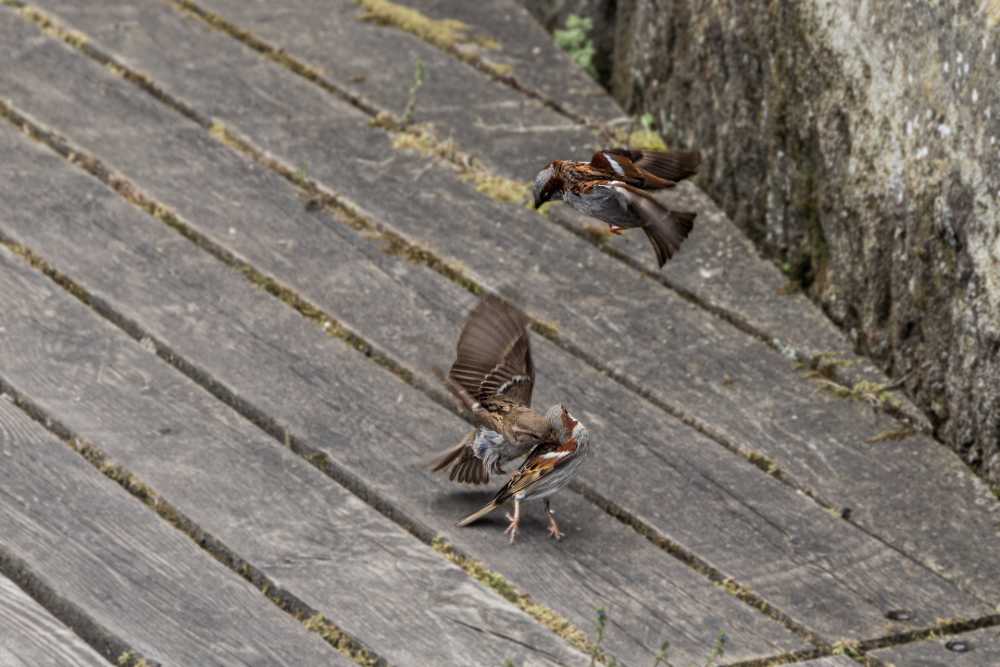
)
(574, 39)
(891, 435)
(523, 601)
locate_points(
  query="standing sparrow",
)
(493, 376)
(548, 468)
(612, 187)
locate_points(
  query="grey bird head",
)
(548, 185)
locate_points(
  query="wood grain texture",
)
(271, 508)
(532, 53)
(832, 661)
(718, 264)
(32, 637)
(101, 550)
(340, 403)
(738, 387)
(982, 649)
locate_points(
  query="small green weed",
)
(575, 40)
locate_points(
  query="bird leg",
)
(514, 520)
(553, 526)
(615, 229)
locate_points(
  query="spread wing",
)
(648, 169)
(494, 354)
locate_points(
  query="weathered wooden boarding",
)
(124, 578)
(726, 382)
(678, 396)
(303, 531)
(33, 637)
(981, 647)
(326, 393)
(854, 601)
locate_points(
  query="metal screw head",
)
(958, 646)
(899, 615)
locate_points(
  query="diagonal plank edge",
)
(715, 260)
(190, 160)
(273, 510)
(291, 367)
(869, 509)
(303, 221)
(121, 576)
(33, 637)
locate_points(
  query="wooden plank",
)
(327, 394)
(761, 528)
(980, 648)
(860, 577)
(718, 264)
(32, 637)
(525, 45)
(100, 551)
(264, 503)
(831, 661)
(738, 388)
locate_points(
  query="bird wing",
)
(666, 229)
(494, 354)
(545, 459)
(650, 169)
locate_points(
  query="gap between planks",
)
(317, 458)
(131, 193)
(308, 185)
(322, 195)
(318, 193)
(285, 600)
(467, 164)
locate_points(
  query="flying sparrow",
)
(548, 468)
(612, 187)
(493, 376)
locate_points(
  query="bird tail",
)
(476, 516)
(444, 459)
(666, 229)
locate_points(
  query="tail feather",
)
(477, 515)
(665, 229)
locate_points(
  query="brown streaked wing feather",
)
(666, 229)
(671, 165)
(536, 467)
(494, 353)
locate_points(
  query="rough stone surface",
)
(857, 144)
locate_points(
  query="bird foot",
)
(615, 229)
(554, 531)
(512, 528)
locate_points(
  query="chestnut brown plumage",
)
(493, 375)
(613, 187)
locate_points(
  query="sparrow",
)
(493, 376)
(548, 468)
(613, 187)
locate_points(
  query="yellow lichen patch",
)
(500, 188)
(421, 139)
(47, 24)
(500, 585)
(894, 434)
(445, 34)
(339, 640)
(992, 10)
(648, 140)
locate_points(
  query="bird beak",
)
(538, 202)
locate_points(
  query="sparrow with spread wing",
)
(613, 187)
(493, 376)
(548, 468)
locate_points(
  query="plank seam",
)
(315, 457)
(356, 220)
(110, 647)
(424, 140)
(285, 600)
